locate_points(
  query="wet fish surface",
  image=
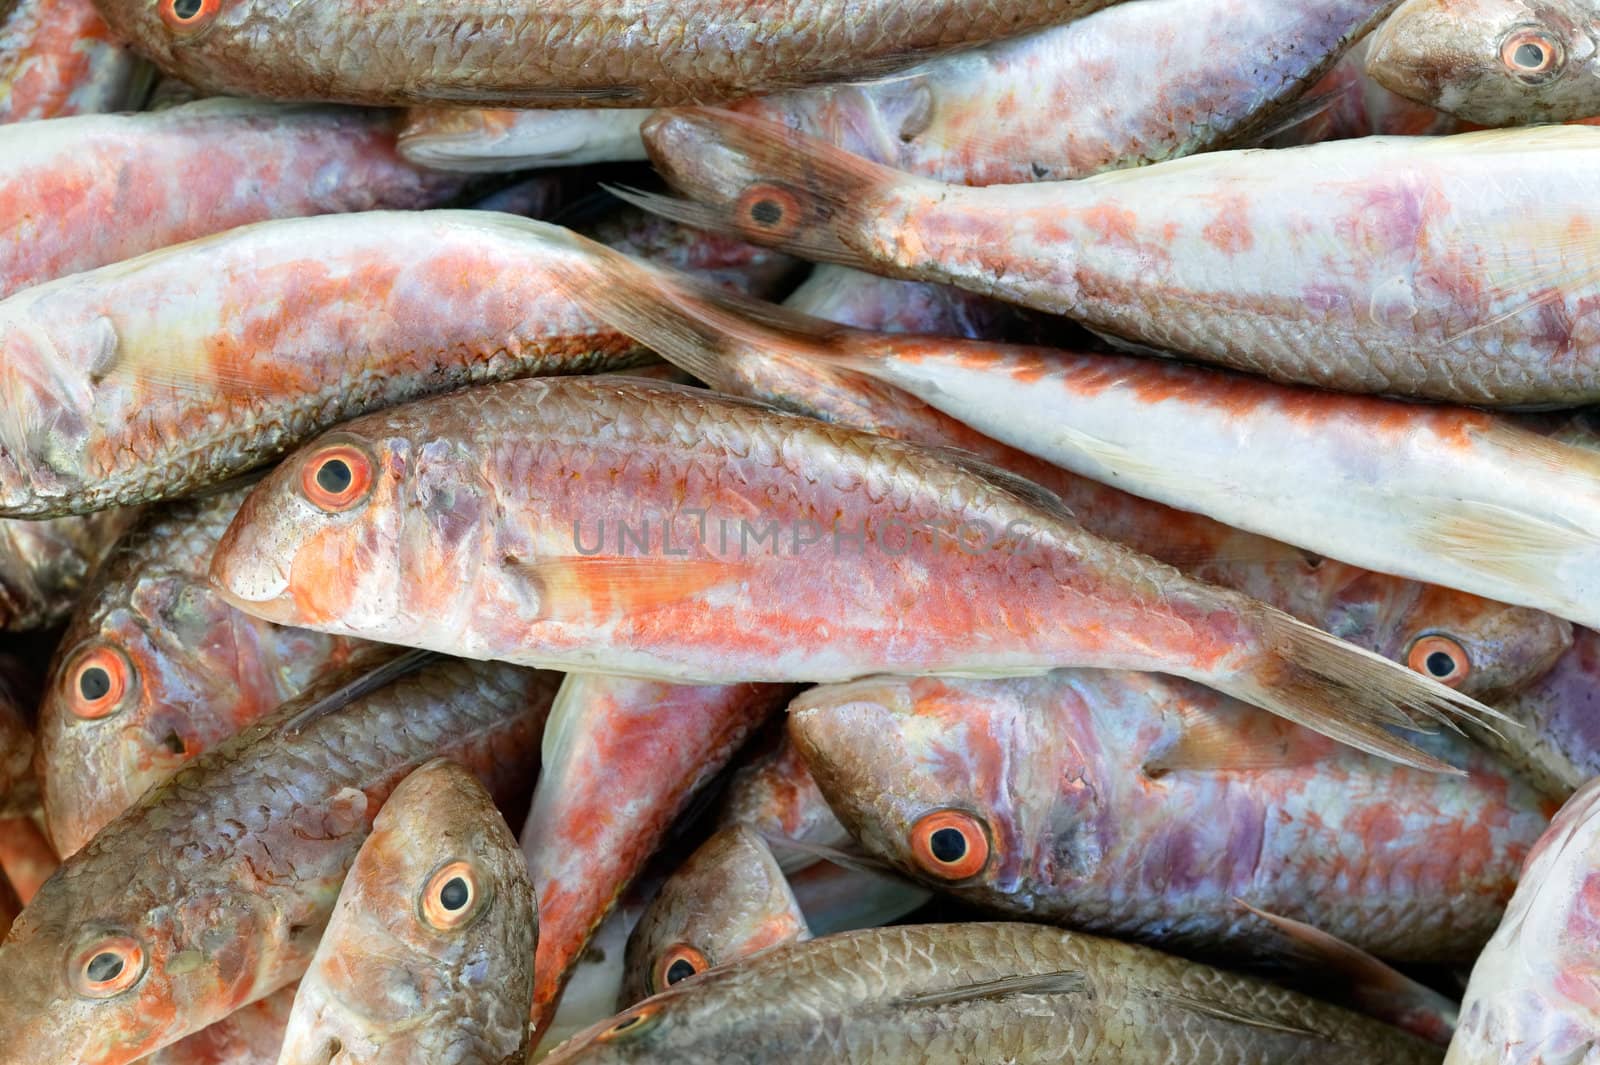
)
(59, 58)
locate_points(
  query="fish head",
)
(1492, 62)
(195, 40)
(430, 947)
(317, 542)
(100, 971)
(968, 786)
(45, 410)
(727, 900)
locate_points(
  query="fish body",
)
(1493, 62)
(1557, 747)
(19, 787)
(531, 55)
(476, 140)
(1143, 806)
(727, 900)
(26, 857)
(250, 1035)
(622, 758)
(155, 669)
(1358, 106)
(476, 523)
(867, 301)
(978, 992)
(59, 59)
(44, 565)
(91, 190)
(1532, 997)
(428, 957)
(1382, 265)
(212, 890)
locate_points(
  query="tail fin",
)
(767, 183)
(1347, 693)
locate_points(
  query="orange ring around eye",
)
(97, 681)
(950, 844)
(1424, 657)
(452, 896)
(677, 956)
(107, 967)
(187, 16)
(770, 211)
(1523, 44)
(336, 477)
(634, 1022)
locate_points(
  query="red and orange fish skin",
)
(226, 873)
(201, 670)
(525, 464)
(641, 751)
(250, 1035)
(1087, 827)
(59, 59)
(774, 796)
(99, 189)
(26, 857)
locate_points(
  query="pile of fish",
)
(972, 531)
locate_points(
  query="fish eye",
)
(107, 967)
(186, 16)
(1530, 54)
(1441, 658)
(635, 1022)
(337, 477)
(678, 962)
(97, 681)
(452, 897)
(769, 210)
(950, 844)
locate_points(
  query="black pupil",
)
(454, 894)
(679, 970)
(94, 683)
(948, 845)
(104, 966)
(186, 9)
(334, 476)
(1530, 56)
(766, 213)
(1441, 664)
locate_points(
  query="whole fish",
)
(800, 364)
(1557, 747)
(622, 759)
(96, 189)
(250, 1035)
(542, 54)
(475, 523)
(428, 957)
(183, 367)
(44, 565)
(59, 58)
(19, 787)
(727, 900)
(212, 890)
(1186, 75)
(1437, 268)
(155, 669)
(1141, 806)
(26, 857)
(1360, 107)
(1016, 993)
(1493, 62)
(1532, 996)
(1450, 495)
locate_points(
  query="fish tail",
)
(768, 184)
(1347, 693)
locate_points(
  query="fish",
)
(59, 59)
(428, 957)
(1360, 107)
(19, 788)
(1381, 265)
(250, 1035)
(1479, 646)
(595, 982)
(1019, 993)
(155, 669)
(534, 55)
(1186, 75)
(44, 565)
(90, 190)
(1140, 806)
(1531, 998)
(867, 301)
(1492, 62)
(735, 266)
(728, 899)
(842, 898)
(1453, 496)
(475, 524)
(622, 759)
(26, 857)
(1557, 747)
(10, 905)
(184, 367)
(212, 890)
